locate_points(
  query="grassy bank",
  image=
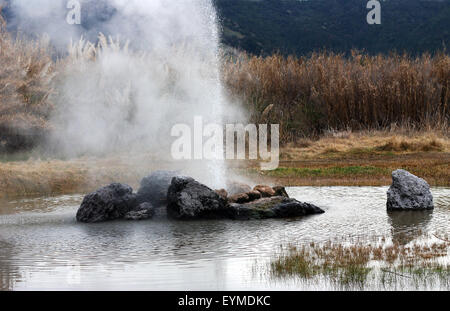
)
(354, 171)
(338, 159)
(361, 159)
(52, 177)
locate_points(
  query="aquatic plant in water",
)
(354, 264)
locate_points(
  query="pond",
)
(43, 248)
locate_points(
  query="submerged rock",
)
(107, 203)
(154, 187)
(142, 212)
(409, 192)
(189, 199)
(274, 207)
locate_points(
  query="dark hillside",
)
(299, 27)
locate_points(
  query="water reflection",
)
(42, 246)
(8, 273)
(408, 225)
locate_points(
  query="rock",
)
(154, 187)
(139, 215)
(265, 191)
(189, 199)
(294, 208)
(280, 192)
(409, 192)
(239, 198)
(142, 212)
(274, 207)
(237, 188)
(254, 195)
(108, 203)
(223, 193)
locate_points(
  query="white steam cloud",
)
(122, 97)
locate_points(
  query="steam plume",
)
(159, 67)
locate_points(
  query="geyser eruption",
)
(156, 66)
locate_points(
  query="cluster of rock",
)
(242, 193)
(187, 199)
(116, 201)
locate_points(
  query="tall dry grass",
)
(310, 95)
(306, 96)
(26, 71)
(29, 72)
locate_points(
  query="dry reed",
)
(26, 71)
(310, 95)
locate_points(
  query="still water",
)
(43, 248)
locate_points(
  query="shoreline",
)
(350, 171)
(57, 177)
(335, 159)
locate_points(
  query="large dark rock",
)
(408, 192)
(154, 188)
(108, 203)
(189, 199)
(274, 207)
